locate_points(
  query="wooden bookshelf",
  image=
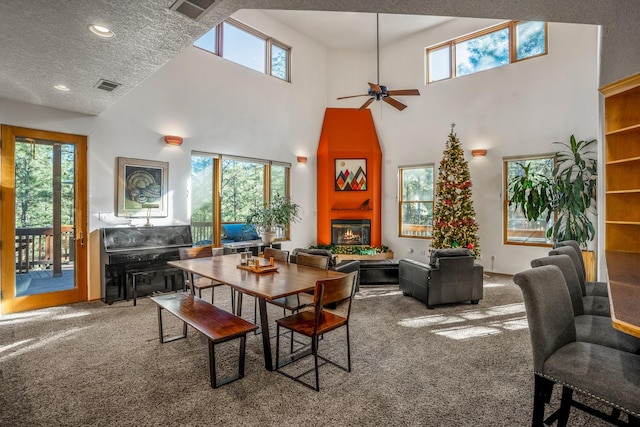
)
(622, 165)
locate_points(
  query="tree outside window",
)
(416, 201)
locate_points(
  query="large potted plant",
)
(279, 213)
(570, 193)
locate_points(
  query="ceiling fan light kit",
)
(378, 92)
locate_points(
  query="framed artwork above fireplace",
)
(351, 175)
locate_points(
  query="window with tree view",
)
(523, 175)
(246, 46)
(243, 184)
(416, 201)
(490, 48)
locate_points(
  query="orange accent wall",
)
(348, 134)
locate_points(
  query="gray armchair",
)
(451, 276)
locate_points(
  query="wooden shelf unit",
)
(622, 165)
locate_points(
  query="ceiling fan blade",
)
(366, 104)
(353, 96)
(404, 92)
(394, 102)
(374, 87)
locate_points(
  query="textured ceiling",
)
(44, 42)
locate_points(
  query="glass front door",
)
(42, 219)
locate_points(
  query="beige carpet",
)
(94, 364)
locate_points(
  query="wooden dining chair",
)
(301, 300)
(195, 282)
(276, 254)
(317, 261)
(285, 302)
(319, 321)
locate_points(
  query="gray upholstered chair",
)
(610, 375)
(594, 305)
(591, 288)
(589, 328)
(450, 277)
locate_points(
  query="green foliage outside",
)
(34, 184)
(417, 196)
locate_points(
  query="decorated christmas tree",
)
(454, 219)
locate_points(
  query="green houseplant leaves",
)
(279, 213)
(570, 193)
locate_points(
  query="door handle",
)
(82, 239)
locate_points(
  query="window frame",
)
(451, 44)
(505, 204)
(269, 42)
(217, 189)
(428, 227)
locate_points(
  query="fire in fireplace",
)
(351, 232)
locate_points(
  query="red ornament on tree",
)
(470, 246)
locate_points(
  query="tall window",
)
(242, 184)
(242, 188)
(490, 48)
(416, 201)
(246, 46)
(203, 174)
(517, 229)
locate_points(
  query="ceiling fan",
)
(379, 92)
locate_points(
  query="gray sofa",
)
(450, 277)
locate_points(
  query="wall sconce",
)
(173, 140)
(302, 159)
(478, 153)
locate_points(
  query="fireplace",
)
(351, 232)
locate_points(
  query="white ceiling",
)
(353, 30)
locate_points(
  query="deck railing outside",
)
(34, 248)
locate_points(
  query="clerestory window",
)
(483, 50)
(246, 46)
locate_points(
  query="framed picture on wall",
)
(351, 175)
(142, 188)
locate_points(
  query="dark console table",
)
(379, 271)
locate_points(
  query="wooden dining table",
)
(289, 279)
(623, 270)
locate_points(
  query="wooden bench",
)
(134, 276)
(216, 324)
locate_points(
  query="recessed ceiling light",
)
(101, 31)
(62, 88)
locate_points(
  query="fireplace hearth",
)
(351, 232)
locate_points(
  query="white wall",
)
(218, 107)
(519, 109)
(221, 107)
